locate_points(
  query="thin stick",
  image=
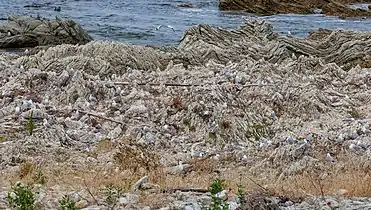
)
(172, 190)
(203, 85)
(263, 188)
(157, 84)
(181, 85)
(98, 116)
(194, 161)
(91, 194)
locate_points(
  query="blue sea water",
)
(135, 21)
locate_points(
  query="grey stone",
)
(36, 114)
(189, 208)
(3, 196)
(63, 78)
(178, 169)
(115, 133)
(95, 207)
(139, 183)
(128, 198)
(73, 124)
(222, 195)
(232, 205)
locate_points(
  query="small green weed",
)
(30, 124)
(39, 177)
(21, 197)
(255, 131)
(67, 203)
(355, 113)
(2, 139)
(241, 195)
(258, 131)
(217, 202)
(112, 194)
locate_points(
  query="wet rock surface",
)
(271, 7)
(25, 31)
(244, 104)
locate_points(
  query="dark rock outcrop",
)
(271, 7)
(25, 31)
(188, 5)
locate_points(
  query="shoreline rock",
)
(26, 31)
(273, 7)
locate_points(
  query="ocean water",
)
(135, 21)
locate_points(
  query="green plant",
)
(30, 124)
(2, 139)
(21, 197)
(355, 113)
(217, 202)
(255, 131)
(258, 131)
(216, 186)
(26, 168)
(39, 177)
(112, 194)
(67, 203)
(241, 195)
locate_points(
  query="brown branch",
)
(201, 85)
(259, 185)
(182, 85)
(158, 84)
(173, 190)
(91, 194)
(194, 161)
(98, 116)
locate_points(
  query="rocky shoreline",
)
(133, 127)
(271, 7)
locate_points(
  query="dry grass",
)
(349, 176)
(26, 169)
(136, 160)
(355, 182)
(105, 146)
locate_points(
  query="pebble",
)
(352, 136)
(139, 183)
(95, 207)
(128, 198)
(222, 195)
(291, 140)
(309, 137)
(115, 133)
(36, 114)
(193, 206)
(81, 204)
(340, 138)
(73, 124)
(91, 159)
